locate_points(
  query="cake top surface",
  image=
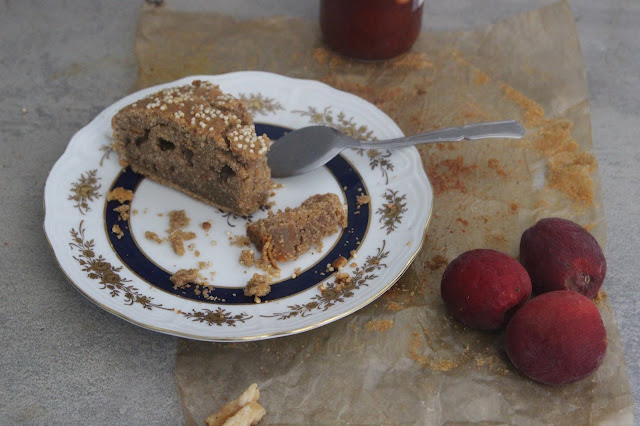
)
(208, 113)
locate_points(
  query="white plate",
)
(129, 276)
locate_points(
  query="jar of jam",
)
(370, 29)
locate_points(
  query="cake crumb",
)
(135, 212)
(258, 285)
(342, 279)
(183, 277)
(120, 194)
(197, 253)
(480, 78)
(149, 235)
(240, 241)
(394, 306)
(123, 212)
(177, 239)
(363, 199)
(247, 258)
(206, 226)
(296, 273)
(353, 254)
(436, 262)
(339, 263)
(204, 265)
(379, 325)
(178, 219)
(116, 230)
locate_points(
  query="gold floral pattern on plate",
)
(348, 126)
(85, 190)
(379, 159)
(257, 103)
(391, 212)
(333, 293)
(106, 149)
(107, 275)
(218, 317)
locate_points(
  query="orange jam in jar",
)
(370, 29)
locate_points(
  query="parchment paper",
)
(403, 359)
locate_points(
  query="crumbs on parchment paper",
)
(379, 325)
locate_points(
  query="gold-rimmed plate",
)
(111, 260)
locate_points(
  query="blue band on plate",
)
(135, 259)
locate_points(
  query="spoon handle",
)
(499, 129)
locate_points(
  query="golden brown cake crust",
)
(198, 140)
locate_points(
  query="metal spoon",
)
(308, 148)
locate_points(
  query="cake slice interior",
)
(288, 234)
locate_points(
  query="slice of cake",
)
(292, 232)
(198, 140)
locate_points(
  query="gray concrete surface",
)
(65, 361)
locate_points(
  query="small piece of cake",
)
(258, 285)
(120, 194)
(290, 233)
(247, 258)
(198, 140)
(183, 277)
(339, 263)
(246, 410)
(152, 236)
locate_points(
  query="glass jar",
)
(370, 29)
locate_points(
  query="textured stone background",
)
(63, 360)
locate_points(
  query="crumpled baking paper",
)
(403, 359)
